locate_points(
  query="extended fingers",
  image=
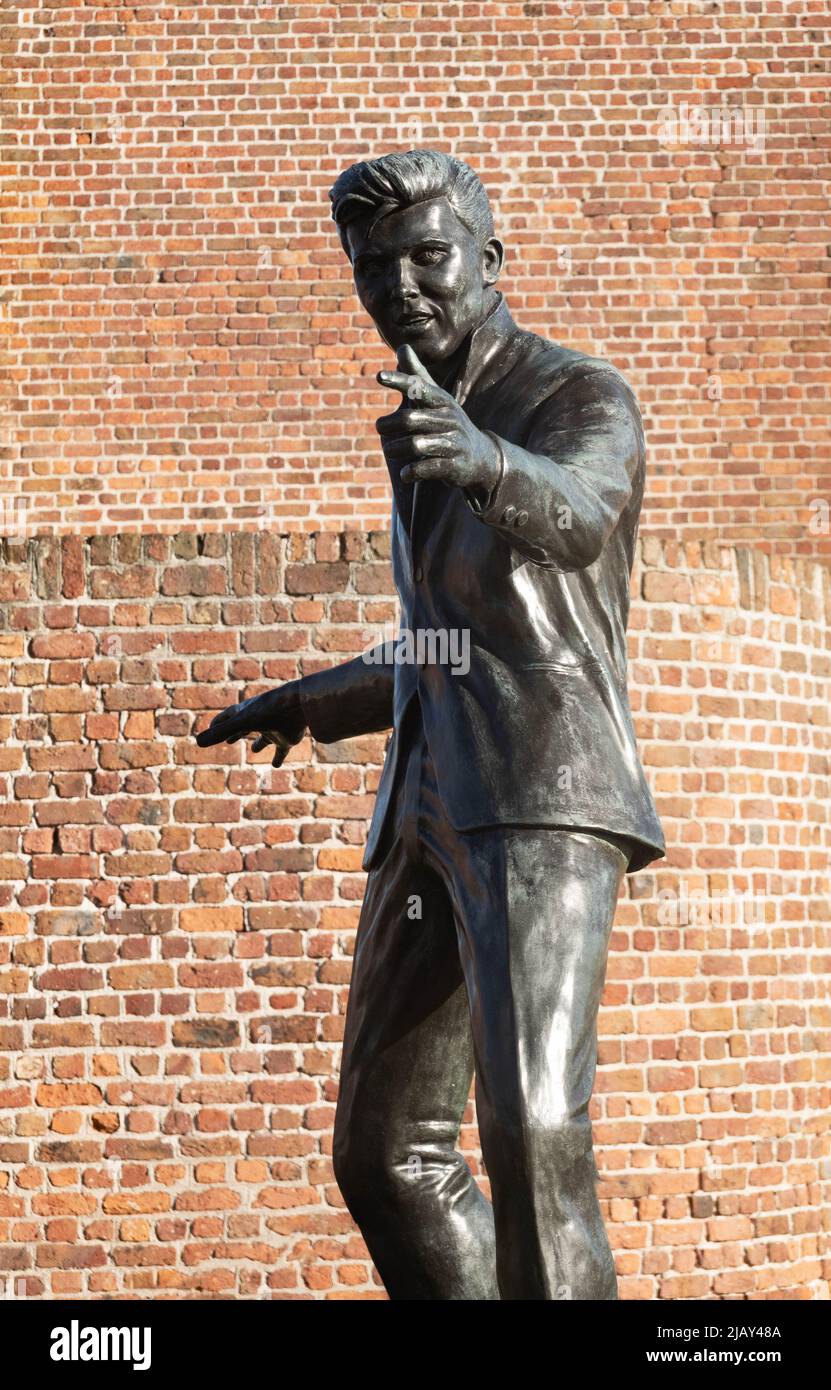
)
(268, 741)
(224, 727)
(415, 388)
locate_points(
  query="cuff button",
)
(520, 518)
(508, 515)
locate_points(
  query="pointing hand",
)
(430, 436)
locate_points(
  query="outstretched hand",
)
(276, 717)
(430, 436)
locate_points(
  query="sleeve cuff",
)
(479, 500)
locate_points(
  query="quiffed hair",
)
(381, 186)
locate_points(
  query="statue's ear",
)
(493, 256)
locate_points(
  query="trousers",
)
(477, 951)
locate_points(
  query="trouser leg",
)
(405, 1078)
(535, 910)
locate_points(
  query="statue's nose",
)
(403, 285)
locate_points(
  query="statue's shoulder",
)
(550, 365)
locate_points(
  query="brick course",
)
(176, 924)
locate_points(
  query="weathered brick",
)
(208, 1005)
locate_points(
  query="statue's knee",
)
(360, 1166)
(349, 1166)
(371, 1175)
(557, 1142)
(569, 1142)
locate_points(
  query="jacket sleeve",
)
(350, 699)
(558, 499)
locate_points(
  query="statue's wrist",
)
(291, 705)
(489, 472)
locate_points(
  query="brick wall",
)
(176, 925)
(184, 346)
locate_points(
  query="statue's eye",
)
(429, 255)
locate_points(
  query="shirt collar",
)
(485, 341)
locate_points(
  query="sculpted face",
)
(424, 278)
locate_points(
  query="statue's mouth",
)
(413, 320)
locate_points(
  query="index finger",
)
(415, 388)
(222, 727)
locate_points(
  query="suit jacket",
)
(538, 730)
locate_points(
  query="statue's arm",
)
(352, 698)
(558, 499)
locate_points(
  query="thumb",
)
(409, 362)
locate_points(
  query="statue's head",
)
(418, 230)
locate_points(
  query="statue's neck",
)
(447, 373)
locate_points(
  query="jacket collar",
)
(486, 343)
(489, 338)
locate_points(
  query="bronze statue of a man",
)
(512, 800)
